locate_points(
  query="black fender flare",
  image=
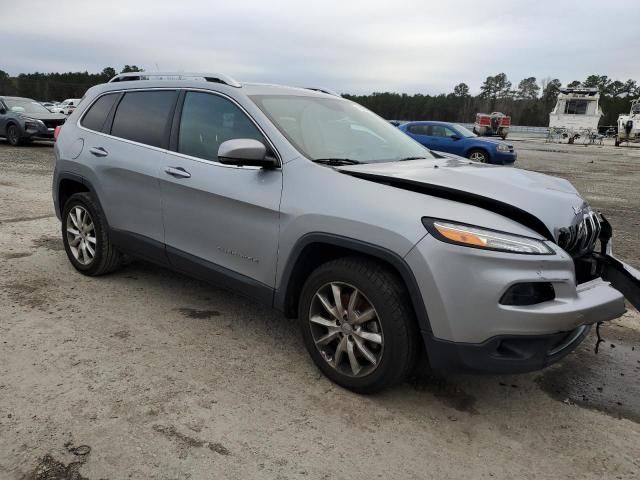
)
(358, 246)
(78, 179)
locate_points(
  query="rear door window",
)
(144, 117)
(97, 114)
(418, 129)
(207, 121)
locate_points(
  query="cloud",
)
(409, 46)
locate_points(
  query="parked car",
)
(456, 139)
(67, 106)
(316, 206)
(24, 119)
(48, 105)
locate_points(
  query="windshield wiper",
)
(336, 161)
(412, 158)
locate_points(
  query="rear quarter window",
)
(145, 117)
(97, 114)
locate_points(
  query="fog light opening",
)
(532, 293)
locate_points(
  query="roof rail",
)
(206, 77)
(324, 90)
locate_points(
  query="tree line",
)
(528, 103)
(56, 86)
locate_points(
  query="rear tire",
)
(478, 155)
(13, 135)
(377, 329)
(86, 238)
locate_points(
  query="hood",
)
(541, 202)
(43, 116)
(493, 141)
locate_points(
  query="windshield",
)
(465, 132)
(334, 128)
(24, 105)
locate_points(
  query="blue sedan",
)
(456, 139)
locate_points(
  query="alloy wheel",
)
(12, 135)
(478, 157)
(346, 329)
(81, 235)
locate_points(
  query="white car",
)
(67, 107)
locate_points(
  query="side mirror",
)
(454, 137)
(245, 152)
(2, 110)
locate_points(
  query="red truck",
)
(492, 125)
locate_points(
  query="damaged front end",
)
(593, 264)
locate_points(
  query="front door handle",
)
(98, 151)
(178, 172)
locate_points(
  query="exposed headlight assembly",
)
(483, 238)
(502, 147)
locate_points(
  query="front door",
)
(221, 222)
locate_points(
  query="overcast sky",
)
(349, 46)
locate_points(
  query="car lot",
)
(156, 375)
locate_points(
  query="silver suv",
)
(385, 251)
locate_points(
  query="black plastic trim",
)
(79, 179)
(360, 246)
(139, 246)
(514, 213)
(503, 354)
(219, 276)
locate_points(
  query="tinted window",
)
(207, 121)
(94, 119)
(441, 131)
(144, 117)
(418, 129)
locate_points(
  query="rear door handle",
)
(98, 151)
(178, 172)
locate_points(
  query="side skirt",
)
(156, 252)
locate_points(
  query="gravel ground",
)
(148, 374)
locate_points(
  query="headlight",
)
(502, 147)
(477, 237)
(33, 123)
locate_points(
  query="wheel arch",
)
(69, 184)
(482, 148)
(316, 248)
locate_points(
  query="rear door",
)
(420, 133)
(126, 154)
(221, 222)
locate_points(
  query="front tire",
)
(478, 155)
(358, 324)
(13, 135)
(85, 237)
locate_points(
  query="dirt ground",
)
(148, 374)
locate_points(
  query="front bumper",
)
(470, 328)
(504, 158)
(39, 132)
(506, 354)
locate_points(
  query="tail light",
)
(56, 132)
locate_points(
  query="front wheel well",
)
(317, 253)
(477, 149)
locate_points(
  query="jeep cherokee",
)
(316, 206)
